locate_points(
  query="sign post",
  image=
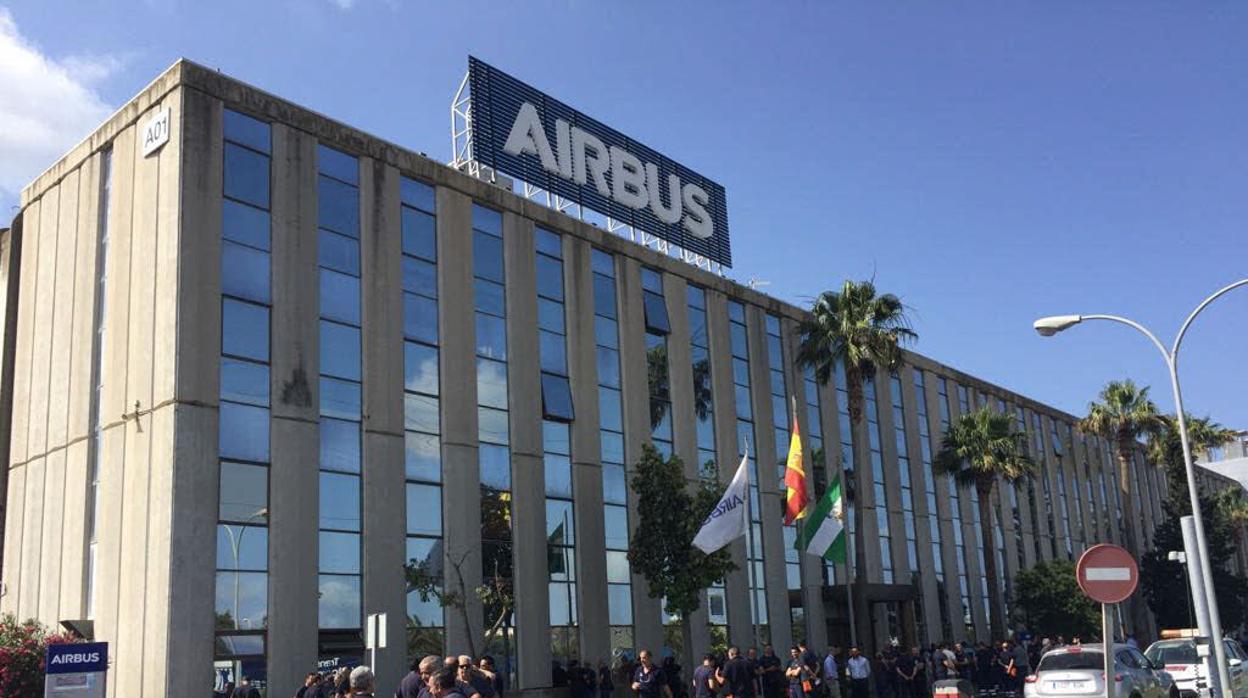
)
(76, 670)
(375, 637)
(1108, 574)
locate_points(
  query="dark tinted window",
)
(420, 277)
(419, 234)
(487, 256)
(338, 205)
(252, 133)
(340, 297)
(244, 330)
(549, 278)
(339, 252)
(604, 296)
(556, 397)
(246, 224)
(656, 313)
(420, 318)
(338, 165)
(340, 350)
(1072, 660)
(418, 194)
(246, 175)
(340, 445)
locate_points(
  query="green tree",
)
(1165, 449)
(979, 449)
(1123, 415)
(864, 332)
(1165, 582)
(1048, 602)
(669, 515)
(23, 647)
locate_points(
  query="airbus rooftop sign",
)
(527, 134)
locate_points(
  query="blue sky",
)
(989, 163)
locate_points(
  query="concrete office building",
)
(266, 376)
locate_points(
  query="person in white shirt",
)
(858, 668)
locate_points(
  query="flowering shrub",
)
(23, 651)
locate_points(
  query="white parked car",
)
(1179, 659)
(1078, 671)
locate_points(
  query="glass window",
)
(339, 601)
(338, 206)
(246, 175)
(556, 397)
(651, 280)
(419, 234)
(244, 548)
(420, 318)
(244, 432)
(604, 296)
(550, 315)
(617, 566)
(549, 278)
(547, 243)
(424, 509)
(612, 447)
(495, 462)
(491, 337)
(488, 297)
(420, 368)
(246, 224)
(615, 523)
(420, 277)
(420, 413)
(558, 475)
(614, 489)
(244, 329)
(602, 263)
(553, 353)
(606, 333)
(338, 252)
(556, 438)
(744, 410)
(736, 312)
(562, 604)
(340, 398)
(337, 164)
(244, 272)
(619, 604)
(340, 506)
(487, 256)
(608, 367)
(487, 220)
(340, 445)
(492, 425)
(609, 409)
(492, 383)
(249, 131)
(340, 297)
(559, 528)
(656, 314)
(736, 334)
(340, 350)
(244, 381)
(242, 602)
(416, 193)
(244, 492)
(423, 457)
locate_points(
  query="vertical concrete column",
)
(294, 485)
(528, 479)
(111, 498)
(135, 636)
(384, 489)
(816, 629)
(80, 388)
(926, 578)
(189, 436)
(591, 572)
(684, 420)
(728, 457)
(771, 513)
(461, 477)
(634, 378)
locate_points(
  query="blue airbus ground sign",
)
(522, 132)
(76, 670)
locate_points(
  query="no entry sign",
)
(1107, 573)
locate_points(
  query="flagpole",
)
(849, 587)
(749, 550)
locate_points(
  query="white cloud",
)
(47, 105)
(343, 4)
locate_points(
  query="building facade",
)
(278, 375)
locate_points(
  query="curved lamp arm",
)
(1188, 322)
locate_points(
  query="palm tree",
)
(1233, 506)
(864, 332)
(1165, 449)
(1123, 415)
(978, 449)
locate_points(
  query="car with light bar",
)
(1077, 671)
(1181, 660)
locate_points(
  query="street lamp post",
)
(235, 543)
(1049, 326)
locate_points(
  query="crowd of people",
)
(998, 669)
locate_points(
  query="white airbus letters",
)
(616, 173)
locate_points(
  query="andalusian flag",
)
(795, 497)
(823, 534)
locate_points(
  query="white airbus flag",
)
(727, 521)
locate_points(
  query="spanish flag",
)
(795, 497)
